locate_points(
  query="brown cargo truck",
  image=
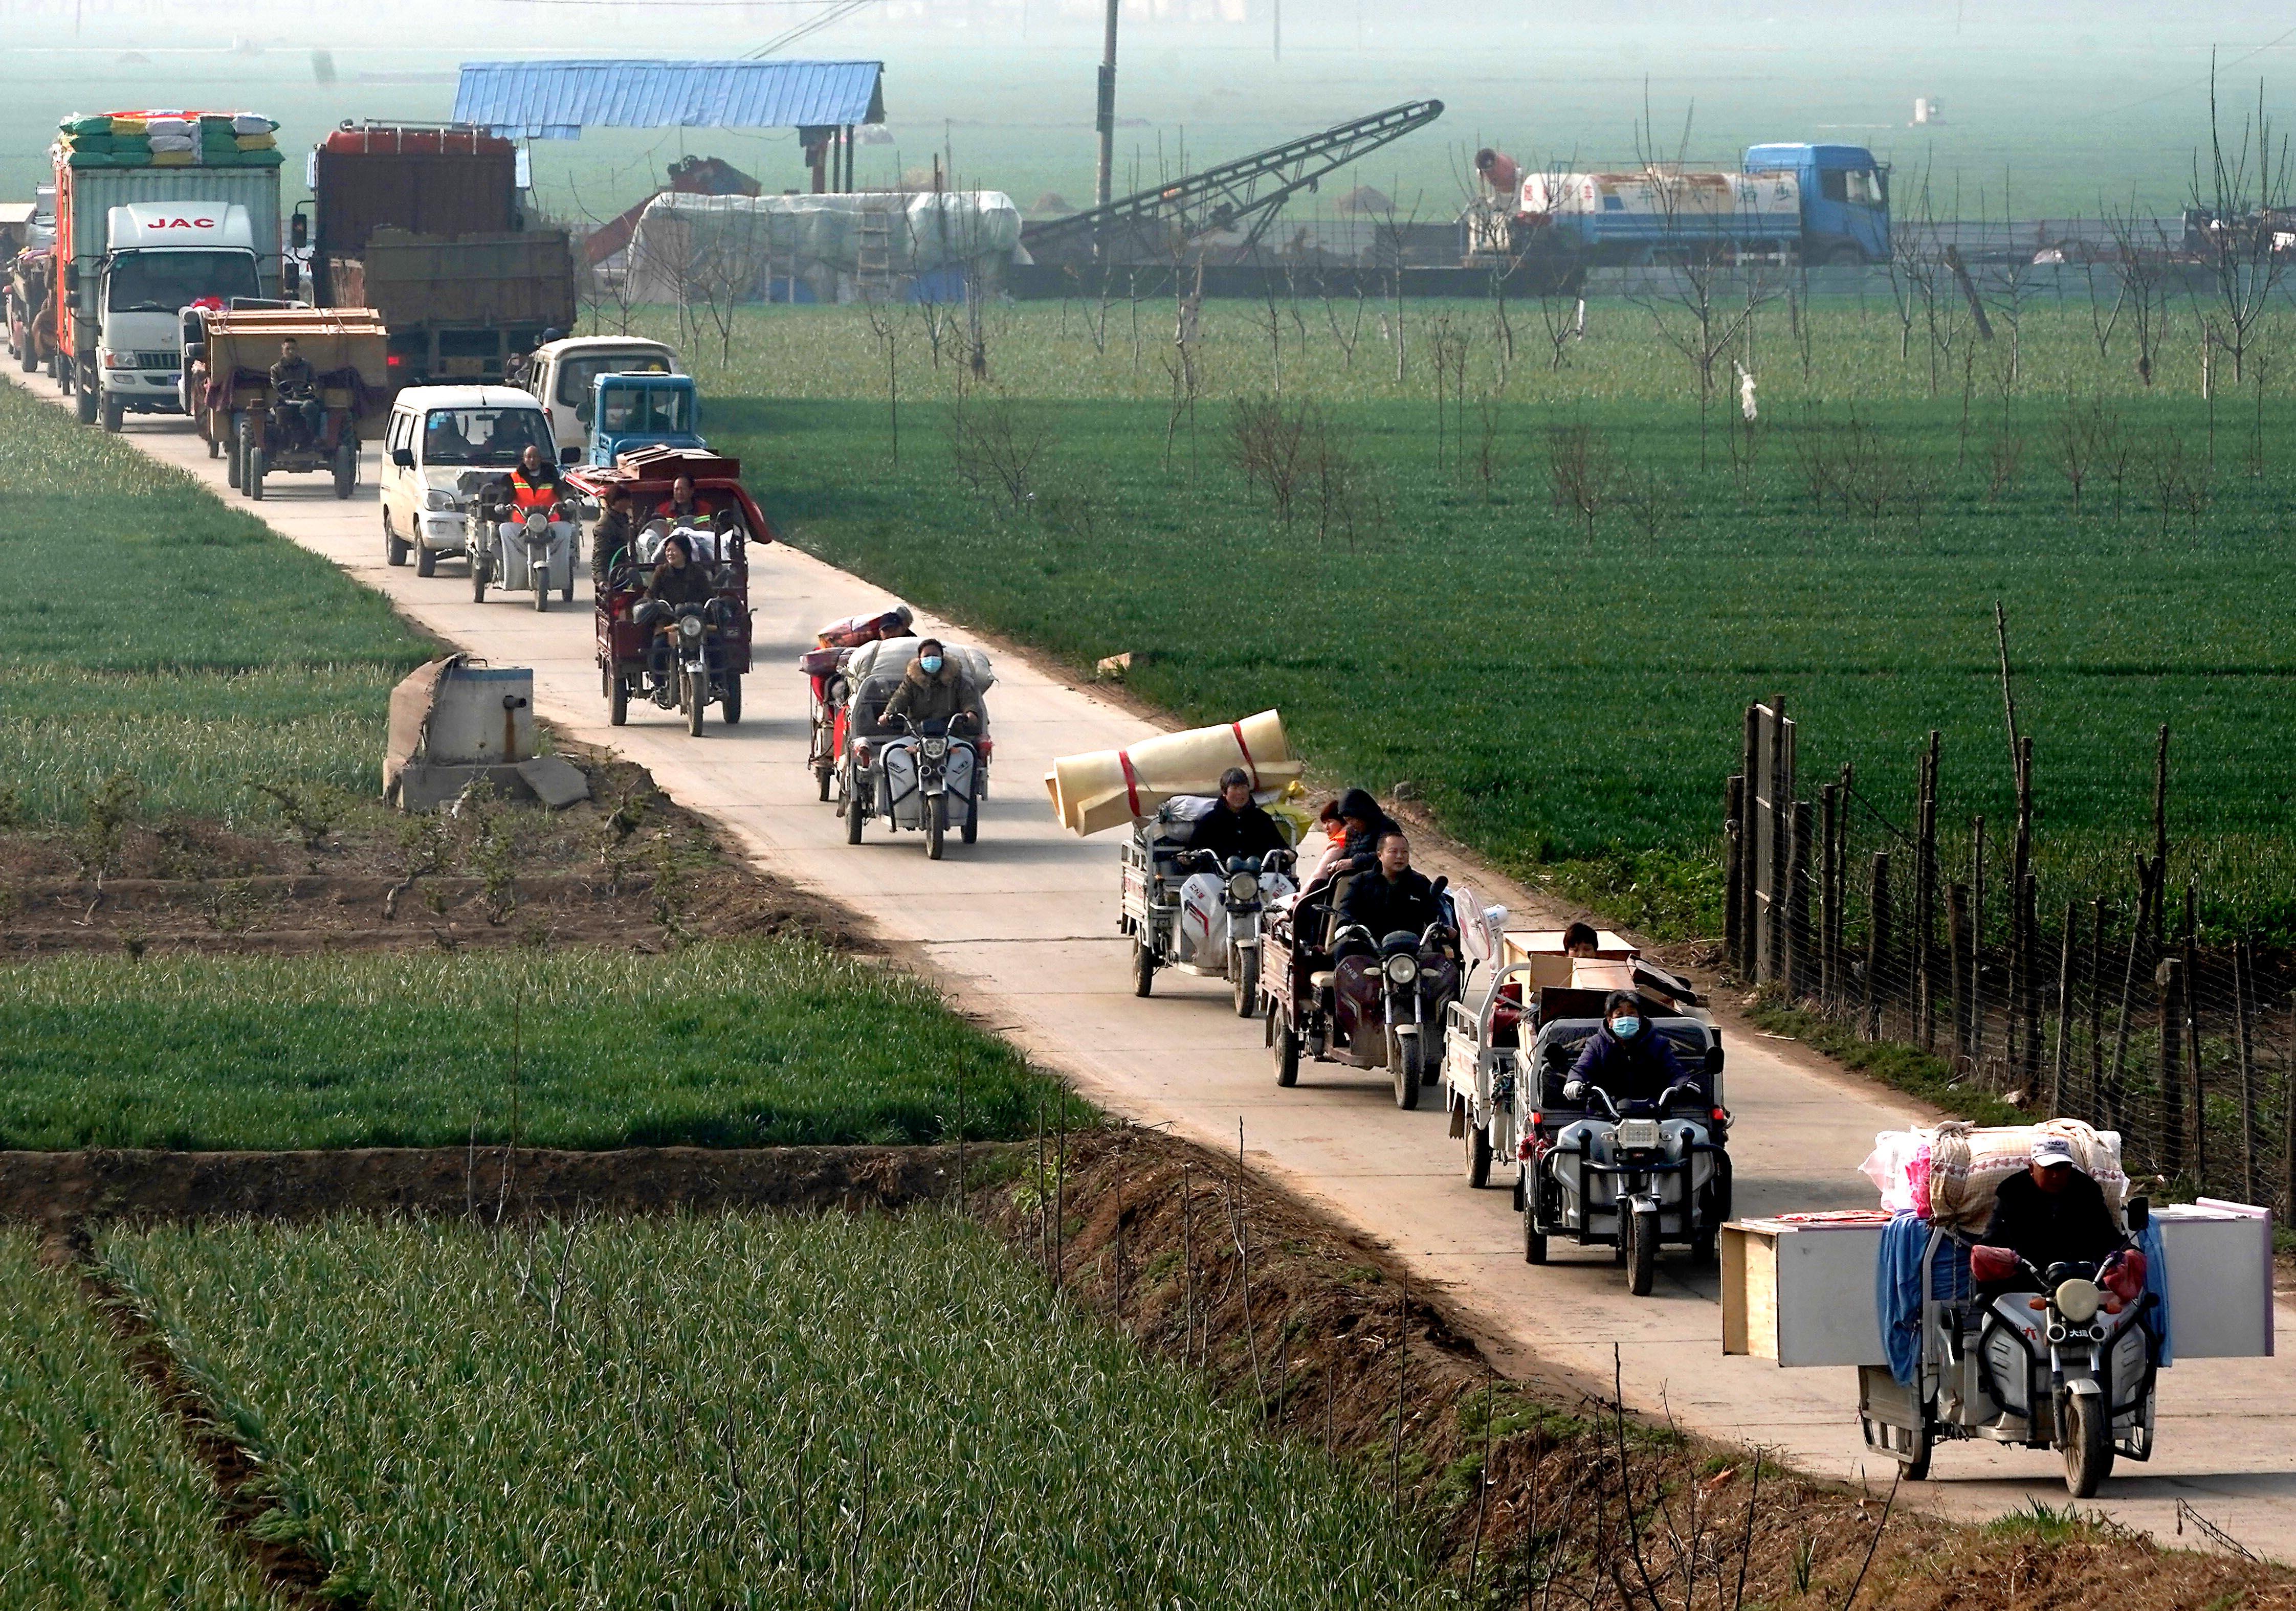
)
(422, 224)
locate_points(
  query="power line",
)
(836, 11)
(2196, 83)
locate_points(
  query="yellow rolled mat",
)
(1109, 788)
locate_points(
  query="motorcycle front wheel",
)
(1641, 1251)
(1477, 1154)
(2085, 1435)
(1403, 1060)
(853, 785)
(1245, 978)
(697, 700)
(1286, 1047)
(1144, 968)
(1534, 1240)
(935, 828)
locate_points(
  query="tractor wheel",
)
(254, 472)
(346, 469)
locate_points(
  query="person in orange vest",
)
(534, 484)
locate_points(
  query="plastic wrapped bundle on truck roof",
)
(167, 139)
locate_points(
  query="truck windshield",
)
(577, 375)
(162, 282)
(625, 410)
(492, 436)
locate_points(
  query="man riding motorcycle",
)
(1627, 1058)
(1394, 898)
(2052, 1213)
(678, 580)
(1235, 826)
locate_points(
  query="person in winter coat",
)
(680, 578)
(2051, 1213)
(1627, 1058)
(1395, 899)
(1360, 825)
(611, 538)
(934, 692)
(1235, 826)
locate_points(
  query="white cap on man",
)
(2050, 1150)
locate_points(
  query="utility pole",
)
(1106, 122)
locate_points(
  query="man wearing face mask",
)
(1626, 1058)
(935, 693)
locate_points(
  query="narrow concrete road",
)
(1021, 929)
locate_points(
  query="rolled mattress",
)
(1109, 788)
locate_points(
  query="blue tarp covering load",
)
(554, 100)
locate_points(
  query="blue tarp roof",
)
(554, 100)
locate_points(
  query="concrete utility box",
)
(454, 720)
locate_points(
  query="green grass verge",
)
(99, 1503)
(779, 1044)
(153, 630)
(741, 1411)
(1570, 703)
(1900, 1067)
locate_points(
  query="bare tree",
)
(2141, 263)
(994, 449)
(1583, 477)
(729, 259)
(2242, 200)
(1704, 302)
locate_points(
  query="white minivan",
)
(445, 444)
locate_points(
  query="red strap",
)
(1253, 766)
(1131, 780)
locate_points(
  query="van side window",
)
(402, 432)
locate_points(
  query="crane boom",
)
(1246, 193)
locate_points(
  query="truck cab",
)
(160, 257)
(643, 410)
(563, 375)
(1845, 200)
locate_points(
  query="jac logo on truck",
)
(180, 224)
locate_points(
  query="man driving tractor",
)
(1235, 826)
(295, 397)
(934, 690)
(1630, 1060)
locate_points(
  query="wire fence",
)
(2105, 1008)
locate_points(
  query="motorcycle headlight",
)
(439, 501)
(1402, 969)
(936, 747)
(1242, 887)
(2078, 1301)
(691, 626)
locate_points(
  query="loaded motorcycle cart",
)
(1379, 1007)
(1630, 1177)
(1190, 911)
(697, 656)
(228, 357)
(924, 780)
(1957, 1341)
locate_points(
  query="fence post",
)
(1749, 924)
(1924, 940)
(1799, 971)
(2191, 1029)
(2064, 1016)
(2097, 1014)
(2170, 977)
(1829, 892)
(1781, 776)
(2028, 1007)
(2243, 985)
(1877, 942)
(2137, 934)
(1957, 936)
(1977, 948)
(1837, 910)
(1733, 837)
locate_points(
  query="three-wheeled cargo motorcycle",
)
(1380, 1006)
(1188, 911)
(697, 656)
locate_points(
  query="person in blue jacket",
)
(1629, 1059)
